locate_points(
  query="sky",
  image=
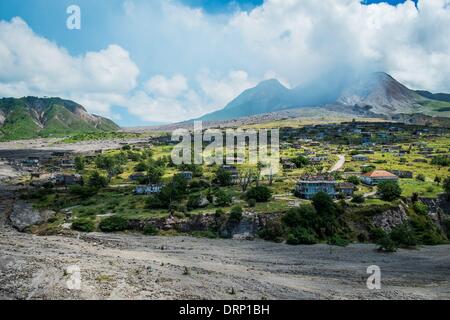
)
(143, 62)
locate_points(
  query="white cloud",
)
(221, 91)
(210, 59)
(167, 87)
(32, 65)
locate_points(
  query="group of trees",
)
(389, 190)
(308, 223)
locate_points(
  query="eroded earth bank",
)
(128, 266)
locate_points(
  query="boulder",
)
(391, 218)
(24, 215)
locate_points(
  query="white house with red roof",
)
(377, 176)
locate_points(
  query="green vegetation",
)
(83, 225)
(259, 194)
(389, 190)
(112, 224)
(57, 117)
(109, 197)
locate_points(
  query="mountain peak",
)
(30, 117)
(270, 83)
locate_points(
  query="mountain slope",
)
(32, 117)
(434, 96)
(383, 94)
(377, 93)
(268, 96)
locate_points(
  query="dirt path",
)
(339, 164)
(138, 267)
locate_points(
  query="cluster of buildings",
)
(309, 185)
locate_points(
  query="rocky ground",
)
(128, 266)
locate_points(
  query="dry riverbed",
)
(127, 266)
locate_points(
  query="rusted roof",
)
(380, 174)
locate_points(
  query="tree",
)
(223, 177)
(194, 202)
(235, 214)
(327, 212)
(175, 190)
(246, 177)
(446, 186)
(97, 181)
(140, 167)
(154, 174)
(79, 163)
(259, 194)
(223, 199)
(389, 190)
(300, 161)
(358, 198)
(404, 236)
(112, 165)
(304, 216)
(323, 203)
(354, 179)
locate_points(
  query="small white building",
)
(360, 157)
(378, 176)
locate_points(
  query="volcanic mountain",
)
(376, 93)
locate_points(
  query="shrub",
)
(223, 199)
(259, 194)
(376, 234)
(389, 190)
(441, 161)
(420, 177)
(150, 230)
(153, 202)
(432, 237)
(404, 236)
(235, 214)
(446, 186)
(83, 225)
(354, 179)
(82, 191)
(340, 196)
(79, 163)
(420, 208)
(358, 198)
(114, 223)
(447, 227)
(337, 240)
(303, 216)
(179, 214)
(273, 231)
(97, 181)
(194, 202)
(251, 203)
(386, 244)
(300, 161)
(223, 177)
(301, 236)
(219, 213)
(324, 204)
(140, 167)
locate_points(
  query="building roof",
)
(317, 178)
(346, 185)
(380, 174)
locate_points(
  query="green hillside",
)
(32, 117)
